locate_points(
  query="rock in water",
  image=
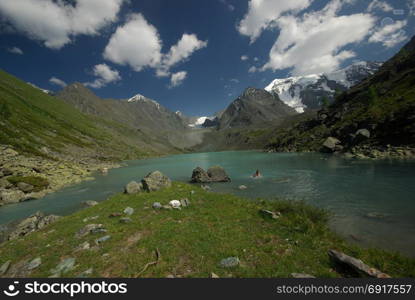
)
(133, 188)
(155, 181)
(230, 262)
(200, 176)
(218, 174)
(331, 145)
(243, 187)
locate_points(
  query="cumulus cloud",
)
(177, 79)
(137, 44)
(262, 14)
(105, 75)
(244, 57)
(390, 34)
(58, 82)
(15, 50)
(379, 5)
(56, 23)
(315, 41)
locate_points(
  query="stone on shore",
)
(331, 145)
(155, 181)
(133, 188)
(31, 224)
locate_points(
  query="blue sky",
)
(193, 56)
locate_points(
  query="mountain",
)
(254, 107)
(307, 92)
(374, 118)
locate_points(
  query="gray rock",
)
(90, 228)
(206, 188)
(24, 187)
(34, 263)
(86, 273)
(133, 188)
(63, 267)
(11, 196)
(155, 181)
(230, 262)
(362, 134)
(331, 145)
(33, 223)
(91, 203)
(242, 187)
(83, 246)
(199, 175)
(218, 174)
(185, 202)
(157, 205)
(301, 275)
(125, 220)
(5, 267)
(102, 239)
(129, 211)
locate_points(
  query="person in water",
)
(257, 174)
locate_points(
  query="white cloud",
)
(15, 50)
(177, 79)
(184, 48)
(105, 75)
(58, 82)
(380, 5)
(390, 34)
(315, 41)
(252, 69)
(56, 23)
(262, 13)
(228, 5)
(411, 6)
(234, 80)
(244, 57)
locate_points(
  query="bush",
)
(38, 183)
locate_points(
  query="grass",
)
(39, 183)
(193, 241)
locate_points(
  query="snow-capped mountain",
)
(43, 90)
(141, 98)
(304, 92)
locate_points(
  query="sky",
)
(193, 56)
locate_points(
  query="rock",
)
(213, 275)
(155, 181)
(157, 205)
(102, 239)
(91, 203)
(11, 196)
(301, 275)
(83, 246)
(175, 203)
(5, 267)
(24, 187)
(88, 229)
(361, 135)
(90, 219)
(86, 273)
(242, 187)
(185, 202)
(206, 188)
(218, 174)
(270, 214)
(125, 220)
(129, 211)
(31, 224)
(331, 145)
(133, 188)
(63, 267)
(199, 175)
(7, 172)
(355, 264)
(34, 263)
(10, 152)
(230, 262)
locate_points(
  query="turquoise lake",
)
(372, 202)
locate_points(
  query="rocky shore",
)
(24, 178)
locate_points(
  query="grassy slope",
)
(30, 120)
(194, 240)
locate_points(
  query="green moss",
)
(39, 183)
(193, 241)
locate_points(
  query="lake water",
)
(373, 201)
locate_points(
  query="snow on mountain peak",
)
(141, 98)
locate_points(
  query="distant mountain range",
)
(307, 92)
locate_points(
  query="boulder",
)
(199, 175)
(230, 262)
(25, 187)
(175, 203)
(91, 203)
(218, 174)
(90, 228)
(331, 145)
(155, 181)
(157, 205)
(133, 188)
(11, 196)
(361, 135)
(31, 224)
(129, 211)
